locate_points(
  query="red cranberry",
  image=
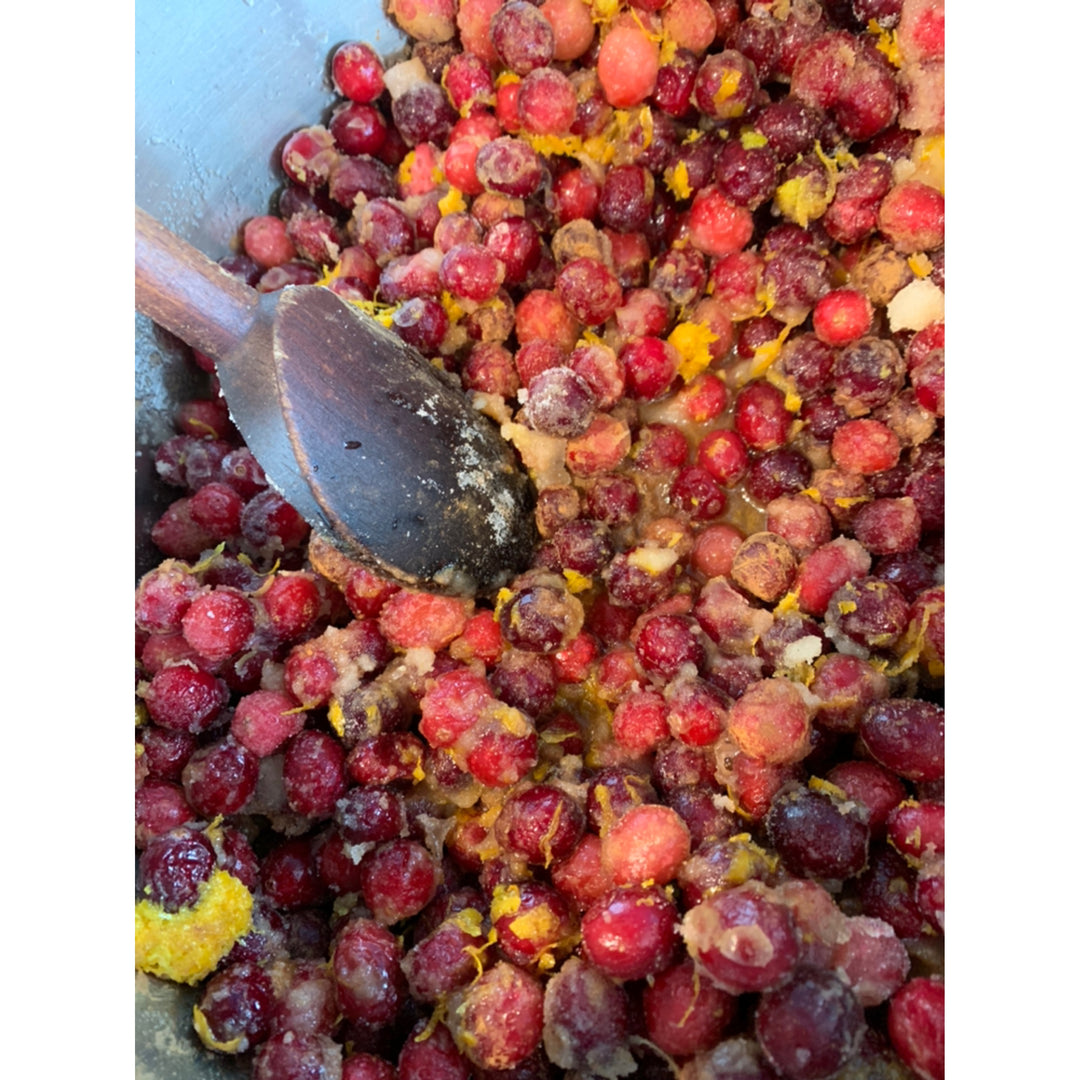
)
(498, 1018)
(313, 773)
(220, 778)
(630, 932)
(367, 972)
(398, 879)
(182, 698)
(541, 823)
(917, 1026)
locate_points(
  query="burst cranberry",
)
(741, 940)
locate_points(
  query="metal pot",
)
(218, 87)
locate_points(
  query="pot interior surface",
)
(218, 87)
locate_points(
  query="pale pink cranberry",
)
(627, 66)
(648, 843)
(771, 722)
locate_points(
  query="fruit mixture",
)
(671, 803)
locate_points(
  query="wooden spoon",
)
(379, 450)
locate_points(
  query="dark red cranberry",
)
(237, 1005)
(290, 876)
(586, 1020)
(173, 867)
(810, 1027)
(817, 834)
(907, 736)
(370, 815)
(887, 890)
(541, 823)
(872, 613)
(772, 473)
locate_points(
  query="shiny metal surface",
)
(219, 84)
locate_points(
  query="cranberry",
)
(817, 833)
(630, 932)
(648, 843)
(684, 1014)
(183, 698)
(917, 1026)
(560, 403)
(236, 1006)
(357, 71)
(498, 1018)
(533, 924)
(886, 890)
(166, 752)
(218, 623)
(541, 616)
(541, 823)
(761, 417)
(305, 1057)
(906, 736)
(367, 972)
(313, 773)
(811, 1026)
(220, 778)
(397, 880)
(627, 65)
(871, 613)
(173, 866)
(160, 805)
(586, 1020)
(742, 940)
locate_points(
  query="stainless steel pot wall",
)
(219, 84)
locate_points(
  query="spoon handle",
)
(190, 295)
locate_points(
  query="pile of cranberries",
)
(672, 802)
